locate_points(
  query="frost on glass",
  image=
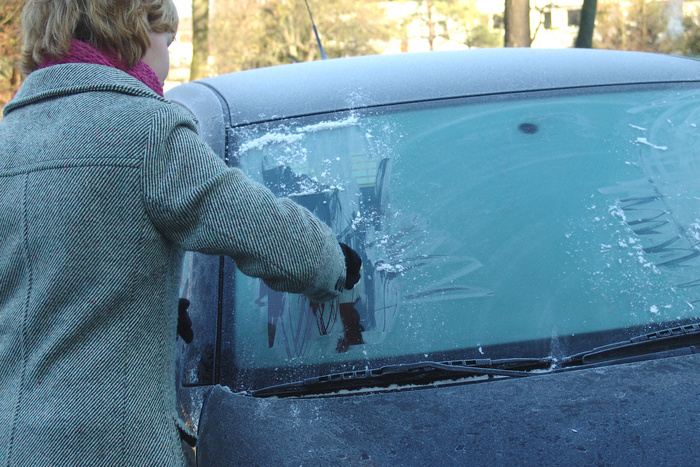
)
(199, 285)
(483, 223)
(658, 213)
(341, 169)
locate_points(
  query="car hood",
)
(619, 413)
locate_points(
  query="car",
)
(529, 225)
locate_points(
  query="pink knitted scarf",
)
(81, 52)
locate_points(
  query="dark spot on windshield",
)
(528, 128)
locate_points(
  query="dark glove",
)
(353, 264)
(184, 323)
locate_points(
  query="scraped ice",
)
(323, 126)
(296, 135)
(269, 138)
(694, 229)
(616, 211)
(645, 141)
(393, 268)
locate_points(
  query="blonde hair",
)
(119, 27)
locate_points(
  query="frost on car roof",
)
(322, 86)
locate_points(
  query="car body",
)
(529, 223)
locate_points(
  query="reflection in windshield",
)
(483, 224)
(335, 170)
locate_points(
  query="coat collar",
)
(73, 78)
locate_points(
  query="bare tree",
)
(431, 23)
(256, 33)
(636, 25)
(517, 23)
(426, 13)
(199, 67)
(587, 24)
(10, 48)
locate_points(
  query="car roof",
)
(322, 86)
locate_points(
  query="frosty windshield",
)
(483, 223)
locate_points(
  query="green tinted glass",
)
(484, 222)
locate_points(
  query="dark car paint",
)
(644, 413)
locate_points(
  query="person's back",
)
(103, 183)
(83, 273)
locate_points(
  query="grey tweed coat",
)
(102, 185)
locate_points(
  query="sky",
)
(184, 8)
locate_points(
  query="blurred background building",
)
(245, 34)
(422, 25)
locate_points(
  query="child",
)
(103, 184)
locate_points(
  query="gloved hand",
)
(353, 264)
(184, 323)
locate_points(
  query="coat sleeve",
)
(198, 202)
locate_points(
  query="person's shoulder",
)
(168, 115)
(87, 84)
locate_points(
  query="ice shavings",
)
(389, 268)
(323, 126)
(694, 230)
(636, 250)
(305, 186)
(642, 140)
(622, 262)
(269, 138)
(357, 221)
(396, 387)
(637, 127)
(655, 310)
(641, 259)
(617, 212)
(308, 187)
(296, 135)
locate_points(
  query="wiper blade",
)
(667, 342)
(680, 337)
(409, 373)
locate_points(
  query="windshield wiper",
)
(408, 373)
(681, 340)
